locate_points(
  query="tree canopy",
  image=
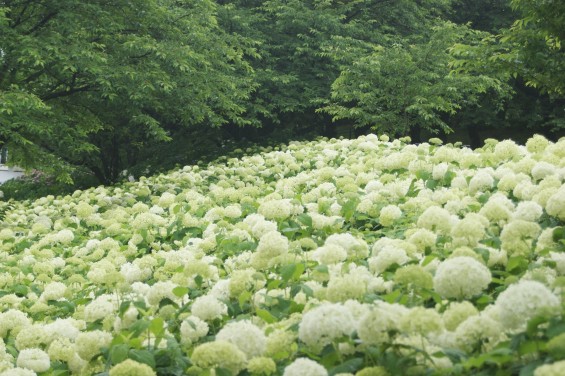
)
(78, 80)
(105, 85)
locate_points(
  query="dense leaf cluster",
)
(105, 85)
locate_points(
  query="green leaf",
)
(349, 366)
(142, 356)
(244, 297)
(516, 263)
(287, 271)
(348, 209)
(393, 297)
(558, 234)
(139, 327)
(119, 353)
(322, 268)
(266, 316)
(531, 347)
(223, 372)
(529, 369)
(124, 307)
(305, 219)
(484, 300)
(180, 291)
(534, 324)
(20, 290)
(157, 326)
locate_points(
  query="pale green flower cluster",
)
(254, 264)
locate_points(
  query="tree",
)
(531, 48)
(303, 45)
(89, 83)
(408, 86)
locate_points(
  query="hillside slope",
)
(336, 256)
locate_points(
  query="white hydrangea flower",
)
(386, 257)
(457, 312)
(146, 220)
(518, 236)
(543, 169)
(133, 273)
(376, 325)
(192, 329)
(53, 291)
(32, 336)
(439, 170)
(423, 238)
(356, 248)
(481, 181)
(461, 277)
(275, 209)
(64, 236)
(161, 290)
(507, 150)
(18, 372)
(67, 328)
(323, 324)
(13, 321)
(305, 366)
(528, 211)
(208, 308)
(478, 330)
(524, 300)
(556, 204)
(329, 254)
(435, 219)
(246, 336)
(537, 143)
(61, 349)
(166, 199)
(100, 308)
(389, 214)
(36, 360)
(90, 344)
(553, 369)
(468, 232)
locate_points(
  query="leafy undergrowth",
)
(363, 256)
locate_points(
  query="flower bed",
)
(363, 256)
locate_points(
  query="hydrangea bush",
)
(366, 257)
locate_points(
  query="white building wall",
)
(7, 173)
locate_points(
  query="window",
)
(3, 155)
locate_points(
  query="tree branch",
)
(41, 23)
(65, 93)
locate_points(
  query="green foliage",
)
(405, 86)
(106, 85)
(303, 46)
(37, 184)
(484, 15)
(530, 48)
(82, 82)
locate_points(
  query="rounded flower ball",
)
(461, 277)
(555, 369)
(36, 360)
(325, 323)
(556, 204)
(305, 367)
(246, 336)
(389, 214)
(219, 354)
(131, 367)
(524, 300)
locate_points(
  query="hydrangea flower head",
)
(524, 300)
(461, 277)
(324, 324)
